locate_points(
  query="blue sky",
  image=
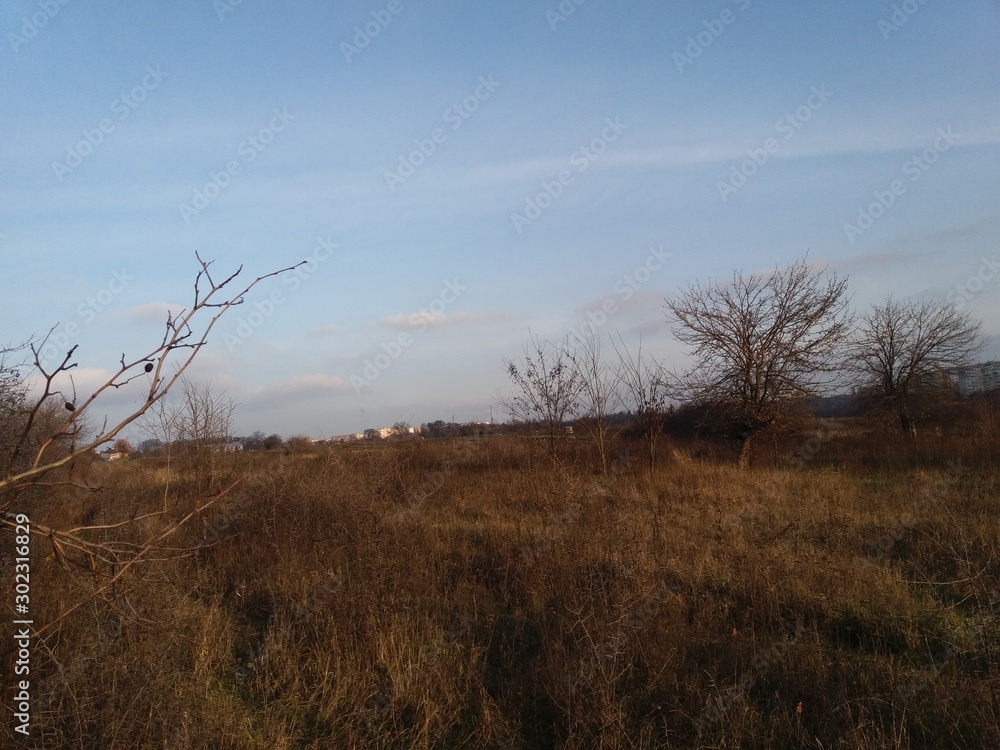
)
(473, 171)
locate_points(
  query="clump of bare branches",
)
(600, 391)
(13, 392)
(645, 392)
(547, 387)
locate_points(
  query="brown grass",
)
(478, 595)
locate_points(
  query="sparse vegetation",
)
(525, 603)
(468, 588)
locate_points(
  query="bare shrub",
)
(547, 388)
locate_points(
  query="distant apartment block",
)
(976, 379)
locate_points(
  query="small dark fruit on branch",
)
(149, 367)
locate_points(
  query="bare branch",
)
(179, 334)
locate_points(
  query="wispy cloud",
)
(875, 260)
(304, 385)
(635, 301)
(942, 237)
(156, 311)
(686, 150)
(424, 320)
(329, 329)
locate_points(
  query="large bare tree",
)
(902, 348)
(760, 342)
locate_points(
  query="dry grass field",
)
(478, 594)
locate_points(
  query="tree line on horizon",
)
(763, 346)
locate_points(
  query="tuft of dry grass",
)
(476, 594)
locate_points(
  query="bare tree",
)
(547, 385)
(645, 391)
(161, 420)
(401, 430)
(761, 341)
(205, 416)
(123, 446)
(203, 421)
(299, 443)
(902, 349)
(599, 388)
(26, 426)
